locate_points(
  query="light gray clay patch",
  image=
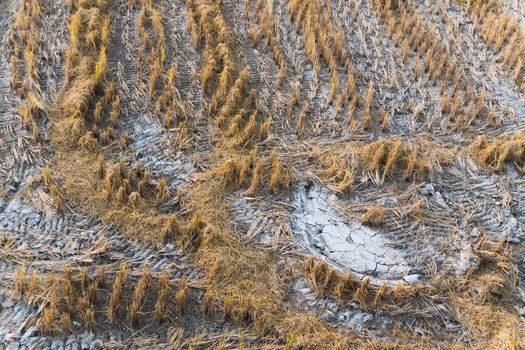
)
(347, 245)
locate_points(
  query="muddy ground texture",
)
(430, 227)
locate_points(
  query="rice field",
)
(262, 174)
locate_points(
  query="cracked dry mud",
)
(345, 243)
(446, 252)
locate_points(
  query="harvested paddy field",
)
(262, 174)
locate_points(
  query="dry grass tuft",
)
(494, 154)
(138, 295)
(162, 190)
(256, 176)
(20, 280)
(374, 216)
(116, 293)
(162, 296)
(182, 295)
(46, 176)
(378, 160)
(66, 323)
(326, 281)
(171, 229)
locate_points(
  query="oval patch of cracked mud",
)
(347, 245)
